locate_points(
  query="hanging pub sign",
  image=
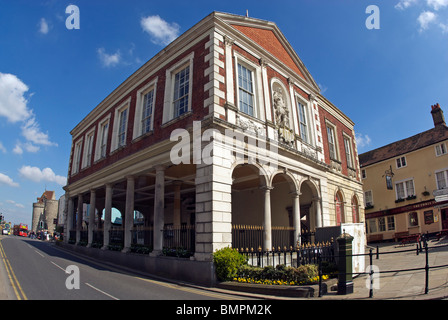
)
(389, 183)
(389, 174)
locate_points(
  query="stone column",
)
(177, 207)
(79, 218)
(267, 218)
(107, 216)
(129, 214)
(91, 217)
(69, 220)
(159, 210)
(296, 217)
(317, 204)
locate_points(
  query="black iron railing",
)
(301, 255)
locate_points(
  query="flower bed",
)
(280, 282)
(280, 275)
(232, 266)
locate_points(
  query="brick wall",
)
(159, 133)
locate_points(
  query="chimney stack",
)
(437, 115)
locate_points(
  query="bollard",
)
(345, 277)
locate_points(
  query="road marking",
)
(192, 290)
(39, 253)
(58, 266)
(12, 277)
(105, 293)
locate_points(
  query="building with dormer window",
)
(415, 199)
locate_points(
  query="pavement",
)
(403, 285)
(395, 285)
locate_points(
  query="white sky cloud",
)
(4, 179)
(109, 60)
(404, 4)
(32, 132)
(37, 175)
(14, 107)
(425, 18)
(437, 4)
(161, 32)
(2, 147)
(18, 205)
(362, 140)
(43, 26)
(13, 104)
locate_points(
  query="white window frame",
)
(349, 152)
(411, 221)
(115, 144)
(440, 149)
(88, 149)
(390, 223)
(405, 188)
(138, 118)
(363, 174)
(332, 127)
(399, 162)
(168, 105)
(309, 121)
(374, 225)
(105, 123)
(77, 157)
(445, 178)
(256, 83)
(366, 203)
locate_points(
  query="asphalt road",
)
(33, 269)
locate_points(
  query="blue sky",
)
(51, 77)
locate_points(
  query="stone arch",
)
(355, 208)
(310, 209)
(339, 206)
(249, 185)
(285, 222)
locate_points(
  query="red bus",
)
(21, 230)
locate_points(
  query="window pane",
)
(409, 188)
(372, 226)
(122, 127)
(331, 145)
(245, 90)
(181, 91)
(413, 219)
(303, 122)
(348, 153)
(382, 224)
(391, 223)
(441, 179)
(400, 190)
(148, 101)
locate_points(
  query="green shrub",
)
(303, 274)
(227, 262)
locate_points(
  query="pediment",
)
(267, 35)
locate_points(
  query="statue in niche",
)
(281, 111)
(282, 116)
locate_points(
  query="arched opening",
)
(309, 208)
(355, 209)
(339, 208)
(284, 225)
(247, 207)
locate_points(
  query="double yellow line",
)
(12, 277)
